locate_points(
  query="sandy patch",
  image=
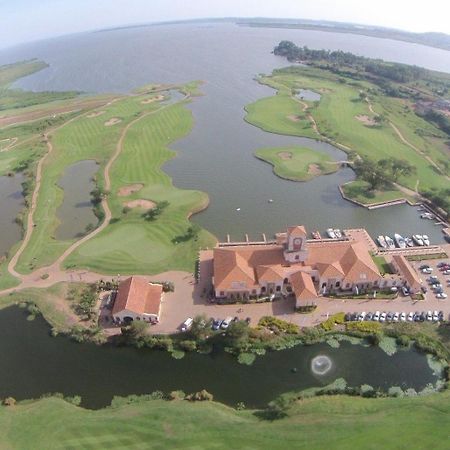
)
(366, 120)
(125, 191)
(285, 155)
(95, 114)
(294, 118)
(112, 121)
(140, 203)
(157, 98)
(314, 169)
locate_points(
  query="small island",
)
(297, 163)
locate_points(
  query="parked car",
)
(440, 264)
(441, 295)
(369, 316)
(410, 317)
(403, 317)
(216, 324)
(427, 271)
(423, 316)
(396, 317)
(435, 316)
(429, 316)
(383, 317)
(441, 316)
(432, 279)
(417, 316)
(446, 272)
(248, 320)
(405, 290)
(390, 316)
(186, 325)
(426, 266)
(376, 316)
(424, 289)
(226, 323)
(361, 316)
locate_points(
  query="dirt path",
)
(49, 275)
(314, 125)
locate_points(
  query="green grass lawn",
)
(280, 114)
(359, 191)
(297, 163)
(336, 114)
(383, 266)
(131, 244)
(340, 423)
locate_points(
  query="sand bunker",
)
(112, 121)
(125, 191)
(285, 155)
(314, 169)
(95, 114)
(140, 203)
(366, 120)
(294, 118)
(157, 98)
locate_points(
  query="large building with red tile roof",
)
(137, 299)
(307, 268)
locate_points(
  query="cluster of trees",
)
(84, 301)
(382, 173)
(439, 119)
(401, 73)
(153, 213)
(440, 198)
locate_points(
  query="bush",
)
(176, 395)
(329, 324)
(365, 327)
(9, 401)
(246, 358)
(278, 325)
(200, 396)
(188, 345)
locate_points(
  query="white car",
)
(427, 271)
(396, 317)
(376, 316)
(410, 317)
(435, 316)
(403, 317)
(383, 317)
(442, 295)
(187, 324)
(429, 316)
(226, 323)
(361, 316)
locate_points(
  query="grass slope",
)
(340, 423)
(297, 167)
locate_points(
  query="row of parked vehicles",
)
(216, 324)
(377, 316)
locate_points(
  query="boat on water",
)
(338, 233)
(382, 242)
(316, 235)
(409, 242)
(417, 238)
(399, 240)
(427, 215)
(331, 234)
(390, 243)
(426, 239)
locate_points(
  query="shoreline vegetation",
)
(371, 110)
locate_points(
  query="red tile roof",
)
(303, 286)
(137, 295)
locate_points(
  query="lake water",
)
(11, 203)
(217, 157)
(36, 363)
(76, 212)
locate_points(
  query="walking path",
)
(49, 275)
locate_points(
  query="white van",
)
(225, 324)
(187, 324)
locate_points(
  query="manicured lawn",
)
(382, 264)
(131, 245)
(280, 114)
(134, 245)
(359, 191)
(337, 115)
(297, 163)
(340, 423)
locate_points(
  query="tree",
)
(135, 331)
(237, 334)
(200, 328)
(396, 168)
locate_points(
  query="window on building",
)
(278, 288)
(347, 286)
(324, 284)
(254, 292)
(297, 257)
(222, 293)
(338, 283)
(263, 289)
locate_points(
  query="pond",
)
(306, 94)
(76, 212)
(11, 203)
(34, 363)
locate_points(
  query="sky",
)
(30, 20)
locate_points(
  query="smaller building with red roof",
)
(137, 299)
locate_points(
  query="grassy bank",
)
(317, 423)
(297, 163)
